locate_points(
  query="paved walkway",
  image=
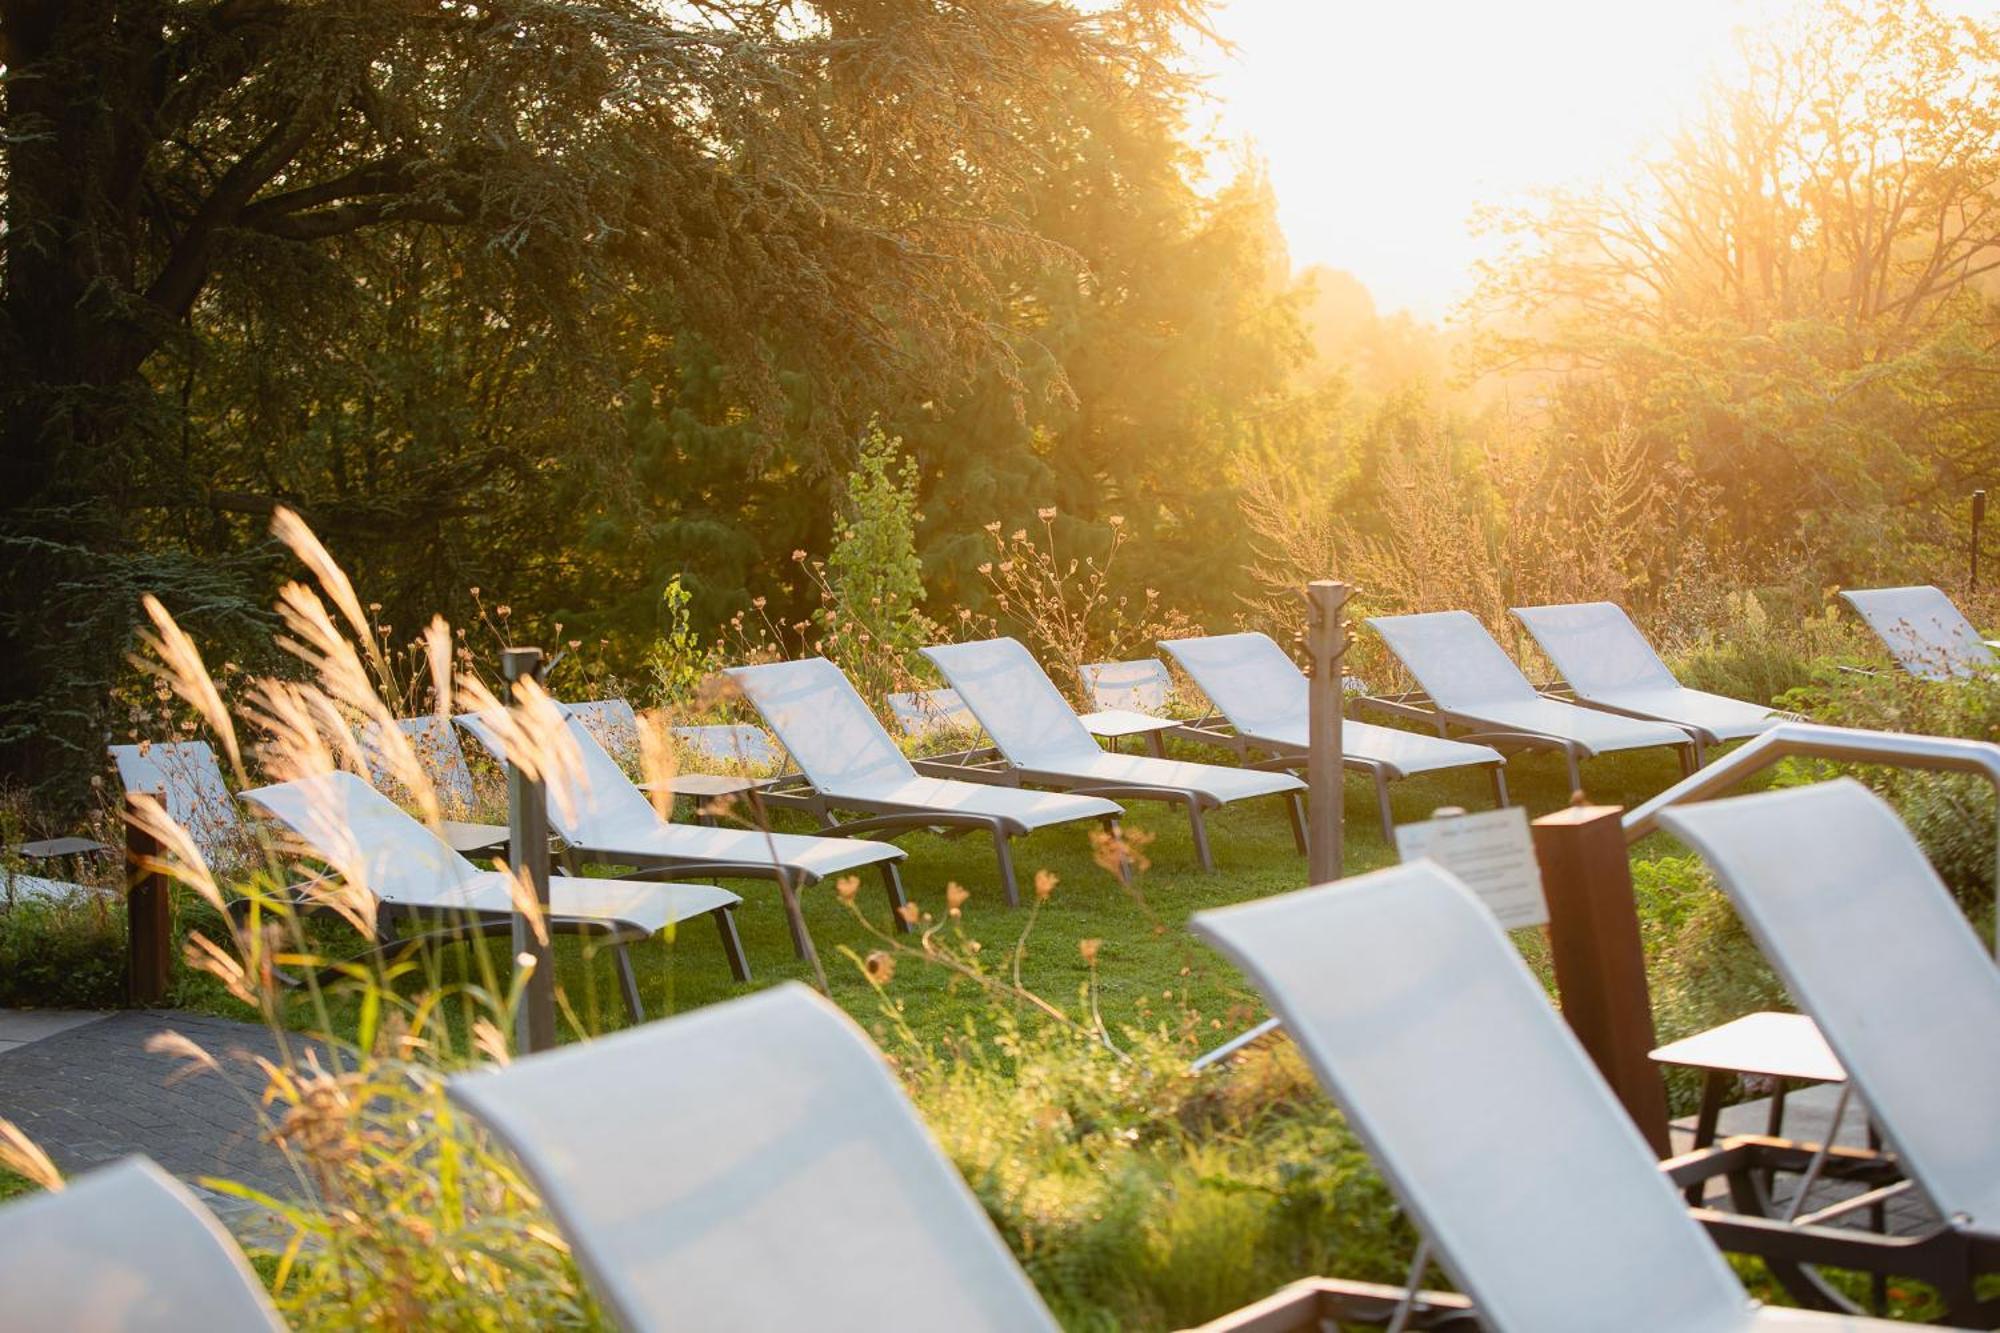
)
(89, 1092)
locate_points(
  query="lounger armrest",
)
(1316, 1303)
(949, 767)
(682, 870)
(916, 819)
(1127, 792)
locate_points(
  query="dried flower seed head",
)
(908, 911)
(847, 886)
(880, 967)
(1088, 948)
(1045, 884)
(954, 897)
(1045, 513)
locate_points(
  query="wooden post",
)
(149, 928)
(528, 846)
(1600, 964)
(1326, 645)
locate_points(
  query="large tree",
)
(200, 194)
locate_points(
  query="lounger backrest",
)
(586, 801)
(436, 742)
(925, 713)
(125, 1247)
(778, 1177)
(825, 726)
(187, 773)
(1246, 676)
(1923, 630)
(614, 726)
(1014, 699)
(1870, 943)
(367, 838)
(1458, 664)
(1597, 648)
(1143, 686)
(1484, 1113)
(731, 743)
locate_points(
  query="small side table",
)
(706, 789)
(1114, 724)
(1784, 1048)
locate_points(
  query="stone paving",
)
(89, 1092)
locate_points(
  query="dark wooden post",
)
(528, 846)
(149, 927)
(1600, 964)
(1326, 645)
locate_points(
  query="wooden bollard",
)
(1600, 963)
(149, 926)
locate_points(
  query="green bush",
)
(63, 954)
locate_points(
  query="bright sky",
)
(1386, 122)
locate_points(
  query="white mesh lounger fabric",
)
(1473, 683)
(1490, 1122)
(124, 1249)
(1927, 635)
(1869, 941)
(1608, 664)
(435, 741)
(779, 1178)
(188, 775)
(853, 764)
(1261, 693)
(375, 845)
(1037, 732)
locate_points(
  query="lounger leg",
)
(1295, 806)
(732, 943)
(1200, 831)
(628, 983)
(794, 915)
(1004, 855)
(1382, 807)
(1157, 744)
(1499, 787)
(1714, 1082)
(1575, 770)
(893, 882)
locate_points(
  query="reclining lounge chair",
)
(416, 877)
(1043, 742)
(1869, 941)
(1261, 694)
(1607, 664)
(1473, 684)
(1927, 635)
(853, 765)
(1511, 1154)
(603, 818)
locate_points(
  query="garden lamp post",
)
(1978, 517)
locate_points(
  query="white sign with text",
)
(1494, 854)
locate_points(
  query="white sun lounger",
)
(188, 778)
(125, 1249)
(1927, 635)
(1607, 664)
(1841, 899)
(1041, 738)
(369, 840)
(1262, 695)
(778, 1179)
(853, 764)
(436, 742)
(1472, 683)
(1512, 1155)
(605, 819)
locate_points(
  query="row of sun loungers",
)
(775, 1160)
